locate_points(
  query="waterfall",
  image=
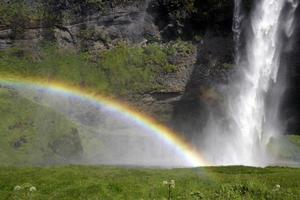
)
(243, 139)
(236, 27)
(263, 50)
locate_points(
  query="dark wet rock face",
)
(92, 31)
(290, 108)
(203, 93)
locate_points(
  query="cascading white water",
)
(263, 52)
(244, 141)
(236, 27)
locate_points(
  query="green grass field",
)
(79, 182)
(22, 144)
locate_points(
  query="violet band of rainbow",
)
(183, 149)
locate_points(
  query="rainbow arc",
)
(183, 149)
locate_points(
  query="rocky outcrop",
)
(203, 92)
(170, 88)
(183, 93)
(290, 109)
(93, 32)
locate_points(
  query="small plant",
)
(277, 187)
(228, 65)
(24, 191)
(196, 195)
(198, 38)
(229, 191)
(171, 185)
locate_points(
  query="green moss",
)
(182, 47)
(137, 67)
(125, 68)
(16, 14)
(54, 64)
(170, 68)
(134, 67)
(228, 65)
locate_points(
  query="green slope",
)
(295, 139)
(222, 183)
(286, 148)
(32, 134)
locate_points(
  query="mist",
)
(107, 136)
(252, 99)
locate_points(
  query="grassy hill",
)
(295, 139)
(76, 182)
(32, 134)
(287, 148)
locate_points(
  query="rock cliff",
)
(183, 96)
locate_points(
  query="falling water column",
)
(247, 108)
(238, 17)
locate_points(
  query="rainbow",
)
(182, 147)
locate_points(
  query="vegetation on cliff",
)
(189, 16)
(116, 70)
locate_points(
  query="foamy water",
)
(244, 141)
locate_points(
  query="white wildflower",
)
(172, 183)
(277, 186)
(32, 189)
(165, 182)
(17, 188)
